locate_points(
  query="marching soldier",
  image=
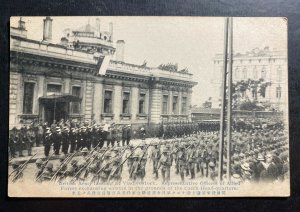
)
(40, 168)
(155, 156)
(181, 159)
(165, 163)
(48, 173)
(18, 176)
(192, 157)
(105, 168)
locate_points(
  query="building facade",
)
(266, 64)
(62, 81)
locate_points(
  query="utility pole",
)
(229, 105)
(224, 79)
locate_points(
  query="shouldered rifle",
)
(22, 169)
(38, 177)
(66, 161)
(112, 173)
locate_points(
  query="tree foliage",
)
(245, 94)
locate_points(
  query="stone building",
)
(269, 65)
(62, 81)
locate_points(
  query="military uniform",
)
(165, 163)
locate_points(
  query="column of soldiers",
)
(257, 155)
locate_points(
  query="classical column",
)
(117, 102)
(98, 101)
(134, 103)
(155, 104)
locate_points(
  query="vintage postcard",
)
(148, 107)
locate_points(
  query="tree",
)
(241, 90)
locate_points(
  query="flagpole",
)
(221, 140)
(229, 106)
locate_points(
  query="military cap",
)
(245, 166)
(74, 162)
(211, 164)
(136, 155)
(241, 155)
(49, 165)
(39, 161)
(15, 163)
(85, 150)
(165, 150)
(62, 157)
(236, 176)
(269, 155)
(107, 154)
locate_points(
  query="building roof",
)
(206, 110)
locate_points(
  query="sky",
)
(192, 42)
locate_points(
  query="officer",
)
(65, 140)
(165, 163)
(47, 142)
(56, 139)
(72, 138)
(128, 134)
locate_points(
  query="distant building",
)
(62, 81)
(269, 65)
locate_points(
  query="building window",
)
(126, 98)
(28, 97)
(183, 106)
(175, 105)
(142, 103)
(75, 106)
(165, 104)
(53, 89)
(279, 73)
(263, 73)
(108, 102)
(278, 92)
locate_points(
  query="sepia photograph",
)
(116, 106)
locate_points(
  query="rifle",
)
(112, 173)
(38, 177)
(22, 169)
(87, 165)
(140, 159)
(66, 161)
